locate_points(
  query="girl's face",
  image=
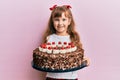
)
(61, 24)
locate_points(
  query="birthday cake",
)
(55, 57)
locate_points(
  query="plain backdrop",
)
(22, 22)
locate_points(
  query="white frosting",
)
(49, 51)
(65, 45)
(69, 50)
(40, 49)
(44, 50)
(64, 51)
(53, 45)
(59, 45)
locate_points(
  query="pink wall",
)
(23, 21)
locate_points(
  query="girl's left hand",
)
(88, 61)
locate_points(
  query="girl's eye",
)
(64, 19)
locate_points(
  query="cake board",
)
(83, 65)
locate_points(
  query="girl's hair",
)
(57, 12)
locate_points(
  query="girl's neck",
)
(62, 34)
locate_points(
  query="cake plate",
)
(83, 65)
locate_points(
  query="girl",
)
(61, 27)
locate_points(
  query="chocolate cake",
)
(61, 56)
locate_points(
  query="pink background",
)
(22, 22)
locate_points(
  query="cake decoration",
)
(57, 48)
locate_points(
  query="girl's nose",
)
(60, 22)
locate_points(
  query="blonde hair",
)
(57, 12)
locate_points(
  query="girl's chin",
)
(60, 31)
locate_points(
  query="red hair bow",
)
(68, 6)
(52, 8)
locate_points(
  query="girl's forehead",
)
(62, 15)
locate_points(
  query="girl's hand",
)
(88, 61)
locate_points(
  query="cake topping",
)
(48, 43)
(57, 48)
(68, 47)
(65, 43)
(62, 48)
(59, 42)
(70, 43)
(43, 45)
(53, 43)
(49, 48)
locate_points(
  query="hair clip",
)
(68, 6)
(52, 8)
